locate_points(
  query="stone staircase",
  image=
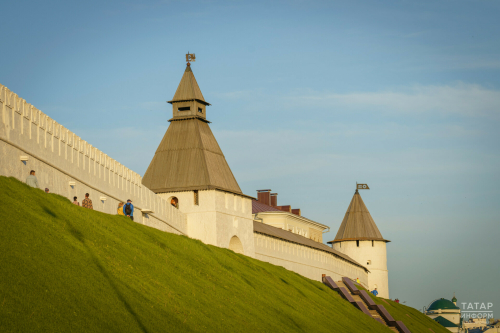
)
(361, 300)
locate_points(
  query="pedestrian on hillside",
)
(128, 209)
(75, 202)
(120, 209)
(397, 300)
(87, 203)
(46, 190)
(31, 180)
(357, 281)
(375, 292)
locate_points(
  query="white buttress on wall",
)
(59, 157)
(374, 258)
(306, 261)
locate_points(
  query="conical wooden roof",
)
(188, 88)
(358, 224)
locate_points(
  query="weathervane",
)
(190, 57)
(362, 186)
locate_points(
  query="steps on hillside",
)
(363, 302)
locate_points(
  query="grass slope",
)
(69, 269)
(414, 320)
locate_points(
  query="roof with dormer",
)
(358, 223)
(188, 89)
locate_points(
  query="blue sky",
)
(307, 97)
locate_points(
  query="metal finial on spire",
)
(190, 57)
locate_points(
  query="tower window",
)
(174, 202)
(196, 198)
(372, 243)
(184, 108)
(368, 262)
(200, 110)
(357, 243)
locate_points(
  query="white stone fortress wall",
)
(61, 159)
(218, 218)
(306, 261)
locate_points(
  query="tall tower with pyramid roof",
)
(359, 238)
(191, 172)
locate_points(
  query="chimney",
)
(274, 199)
(264, 196)
(296, 211)
(286, 208)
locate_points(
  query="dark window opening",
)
(357, 243)
(174, 202)
(184, 108)
(372, 243)
(196, 198)
(200, 110)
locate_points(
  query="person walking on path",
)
(128, 209)
(357, 281)
(120, 209)
(31, 180)
(87, 203)
(46, 190)
(375, 292)
(75, 202)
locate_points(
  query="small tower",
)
(360, 239)
(190, 171)
(454, 299)
(188, 101)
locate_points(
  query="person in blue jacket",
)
(375, 292)
(128, 209)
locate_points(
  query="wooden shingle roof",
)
(189, 158)
(358, 224)
(188, 89)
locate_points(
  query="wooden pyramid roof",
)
(188, 88)
(358, 224)
(189, 157)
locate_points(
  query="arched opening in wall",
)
(235, 245)
(357, 243)
(174, 202)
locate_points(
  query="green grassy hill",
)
(68, 269)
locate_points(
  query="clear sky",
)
(307, 97)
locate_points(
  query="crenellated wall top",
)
(40, 119)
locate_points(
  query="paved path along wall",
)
(69, 166)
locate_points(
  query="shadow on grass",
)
(48, 211)
(79, 236)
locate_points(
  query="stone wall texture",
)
(306, 261)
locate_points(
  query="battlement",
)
(58, 153)
(28, 111)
